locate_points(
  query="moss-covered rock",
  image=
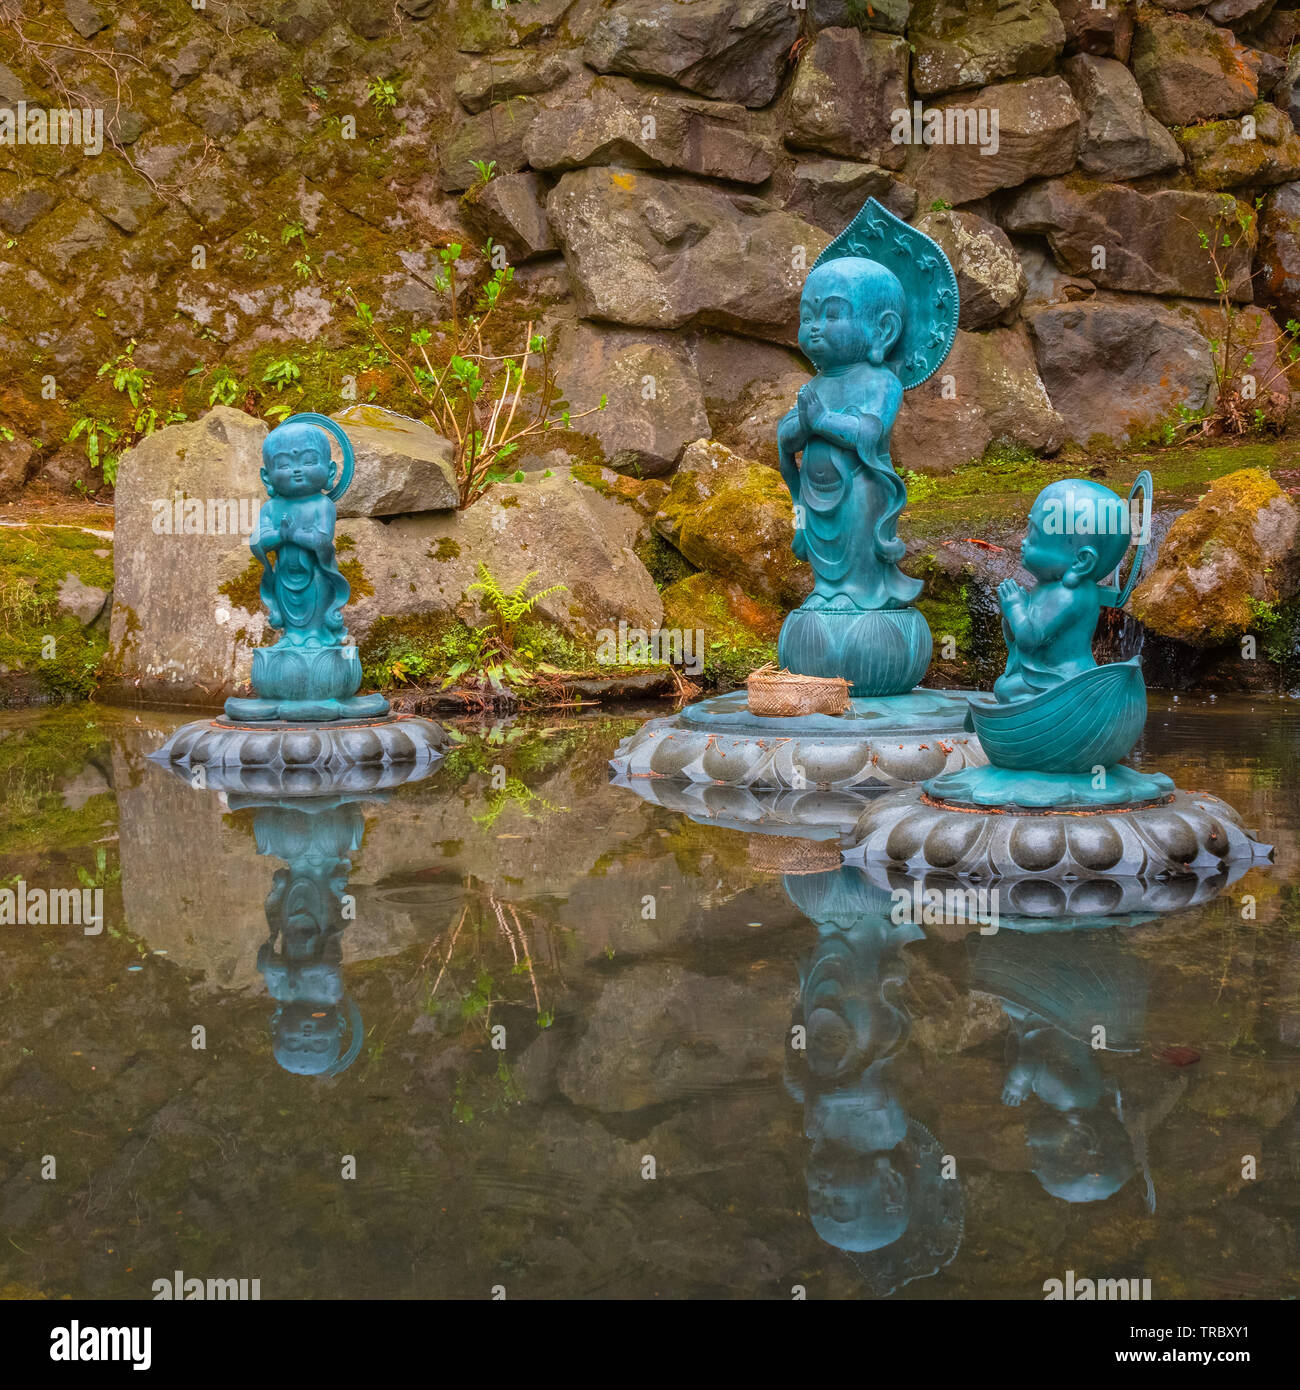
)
(734, 517)
(1234, 551)
(50, 642)
(739, 630)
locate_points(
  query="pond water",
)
(517, 1029)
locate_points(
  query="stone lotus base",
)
(879, 744)
(1181, 833)
(311, 759)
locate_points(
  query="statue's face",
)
(1044, 553)
(829, 333)
(856, 1201)
(850, 311)
(299, 471)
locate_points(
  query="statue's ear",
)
(266, 481)
(1085, 562)
(891, 325)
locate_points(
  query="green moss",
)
(352, 571)
(35, 635)
(446, 549)
(665, 562)
(739, 630)
(245, 590)
(993, 496)
(37, 760)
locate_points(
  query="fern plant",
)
(490, 656)
(509, 608)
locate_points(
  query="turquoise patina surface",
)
(878, 315)
(312, 673)
(1060, 724)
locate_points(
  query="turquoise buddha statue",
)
(878, 316)
(1061, 723)
(312, 673)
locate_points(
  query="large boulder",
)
(734, 517)
(1120, 138)
(845, 91)
(1117, 368)
(990, 280)
(987, 393)
(1189, 70)
(653, 252)
(1126, 239)
(1237, 548)
(655, 407)
(1261, 147)
(1279, 248)
(566, 529)
(621, 123)
(734, 50)
(174, 637)
(402, 464)
(1034, 130)
(970, 43)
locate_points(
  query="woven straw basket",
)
(781, 694)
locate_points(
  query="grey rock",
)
(402, 464)
(843, 95)
(1151, 240)
(505, 75)
(495, 136)
(1120, 138)
(987, 392)
(734, 50)
(621, 123)
(652, 252)
(84, 601)
(1116, 368)
(990, 280)
(970, 43)
(829, 193)
(1037, 136)
(174, 637)
(1190, 71)
(511, 211)
(655, 406)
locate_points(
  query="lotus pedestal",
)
(879, 743)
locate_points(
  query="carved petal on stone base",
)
(887, 743)
(1190, 832)
(303, 760)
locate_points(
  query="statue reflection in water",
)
(306, 911)
(311, 817)
(876, 1180)
(880, 1186)
(1071, 998)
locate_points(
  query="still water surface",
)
(280, 998)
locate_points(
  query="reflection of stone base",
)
(809, 815)
(891, 741)
(883, 651)
(1181, 833)
(311, 759)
